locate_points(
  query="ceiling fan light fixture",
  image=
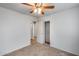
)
(35, 10)
(39, 10)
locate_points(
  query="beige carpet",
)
(39, 50)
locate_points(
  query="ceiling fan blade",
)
(35, 4)
(31, 11)
(42, 13)
(27, 4)
(49, 7)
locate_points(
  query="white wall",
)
(64, 30)
(40, 31)
(15, 30)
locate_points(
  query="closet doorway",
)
(47, 32)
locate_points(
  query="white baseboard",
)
(9, 51)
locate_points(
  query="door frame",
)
(45, 32)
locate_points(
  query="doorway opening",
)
(47, 32)
(33, 35)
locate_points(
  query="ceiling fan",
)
(39, 7)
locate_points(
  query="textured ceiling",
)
(26, 10)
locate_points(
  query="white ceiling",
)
(26, 10)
